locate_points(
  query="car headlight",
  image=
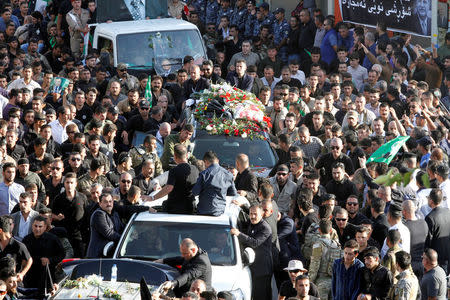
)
(238, 294)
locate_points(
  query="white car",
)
(151, 236)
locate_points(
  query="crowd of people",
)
(320, 224)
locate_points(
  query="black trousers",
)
(262, 287)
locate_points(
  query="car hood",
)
(226, 278)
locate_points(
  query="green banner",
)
(387, 152)
(148, 91)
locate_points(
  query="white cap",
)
(295, 265)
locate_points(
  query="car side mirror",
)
(249, 256)
(108, 249)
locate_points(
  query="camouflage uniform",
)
(210, 43)
(389, 261)
(139, 155)
(239, 17)
(200, 8)
(211, 11)
(250, 24)
(269, 20)
(224, 12)
(280, 32)
(89, 125)
(101, 157)
(169, 144)
(311, 236)
(406, 287)
(325, 251)
(85, 182)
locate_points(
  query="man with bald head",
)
(194, 263)
(246, 182)
(161, 134)
(433, 284)
(418, 230)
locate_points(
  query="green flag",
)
(148, 91)
(387, 152)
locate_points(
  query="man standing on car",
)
(194, 263)
(259, 238)
(213, 185)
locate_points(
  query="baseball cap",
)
(123, 157)
(122, 66)
(113, 110)
(425, 141)
(144, 104)
(295, 265)
(39, 116)
(264, 5)
(279, 10)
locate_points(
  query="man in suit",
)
(106, 224)
(422, 20)
(259, 238)
(194, 263)
(246, 182)
(239, 78)
(23, 218)
(196, 83)
(439, 230)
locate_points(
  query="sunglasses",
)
(70, 132)
(352, 203)
(76, 159)
(340, 220)
(144, 108)
(281, 174)
(294, 271)
(126, 181)
(283, 94)
(56, 168)
(334, 147)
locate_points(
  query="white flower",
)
(209, 128)
(244, 135)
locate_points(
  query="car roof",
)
(116, 28)
(175, 218)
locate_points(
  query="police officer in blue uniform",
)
(211, 11)
(250, 22)
(224, 10)
(200, 8)
(268, 17)
(239, 16)
(281, 33)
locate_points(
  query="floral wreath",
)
(226, 110)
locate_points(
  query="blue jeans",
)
(294, 57)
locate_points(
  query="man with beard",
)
(195, 83)
(9, 190)
(340, 186)
(283, 188)
(325, 162)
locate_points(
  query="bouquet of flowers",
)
(223, 109)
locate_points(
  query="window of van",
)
(152, 49)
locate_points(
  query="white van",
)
(157, 45)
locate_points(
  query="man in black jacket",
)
(195, 83)
(246, 182)
(259, 238)
(439, 230)
(194, 263)
(45, 249)
(377, 280)
(239, 78)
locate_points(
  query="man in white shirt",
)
(442, 172)
(59, 125)
(25, 82)
(359, 73)
(394, 218)
(294, 67)
(9, 190)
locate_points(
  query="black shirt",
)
(341, 190)
(16, 250)
(17, 152)
(326, 162)
(84, 115)
(181, 200)
(73, 211)
(419, 231)
(287, 290)
(52, 191)
(377, 283)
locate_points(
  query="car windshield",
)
(155, 240)
(162, 48)
(259, 151)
